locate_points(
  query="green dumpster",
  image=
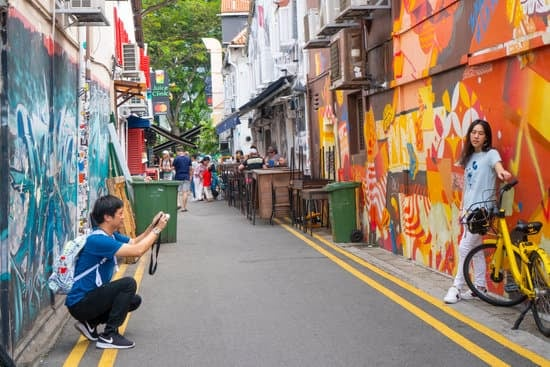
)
(150, 197)
(342, 210)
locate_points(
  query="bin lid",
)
(341, 185)
(155, 183)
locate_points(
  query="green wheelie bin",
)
(342, 210)
(150, 197)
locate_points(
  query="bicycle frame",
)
(523, 249)
(519, 265)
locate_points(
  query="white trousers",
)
(467, 243)
(198, 188)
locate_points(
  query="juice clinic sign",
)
(160, 94)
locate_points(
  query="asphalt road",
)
(232, 294)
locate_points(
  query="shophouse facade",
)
(265, 81)
(392, 86)
(64, 77)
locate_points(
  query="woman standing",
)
(166, 168)
(482, 166)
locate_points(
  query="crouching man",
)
(95, 299)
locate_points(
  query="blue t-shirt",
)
(182, 165)
(480, 179)
(98, 247)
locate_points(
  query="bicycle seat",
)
(528, 228)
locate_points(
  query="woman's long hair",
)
(468, 148)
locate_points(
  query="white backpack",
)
(62, 279)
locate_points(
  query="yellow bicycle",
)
(518, 269)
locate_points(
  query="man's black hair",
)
(105, 205)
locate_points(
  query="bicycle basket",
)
(479, 221)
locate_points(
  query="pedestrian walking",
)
(482, 166)
(183, 168)
(197, 180)
(207, 179)
(96, 299)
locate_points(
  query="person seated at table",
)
(273, 159)
(239, 156)
(254, 160)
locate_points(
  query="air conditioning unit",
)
(85, 12)
(311, 24)
(329, 10)
(133, 76)
(347, 61)
(353, 9)
(371, 3)
(130, 56)
(137, 106)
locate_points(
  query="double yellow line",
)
(452, 335)
(108, 356)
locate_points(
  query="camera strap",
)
(153, 262)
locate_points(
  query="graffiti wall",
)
(414, 132)
(42, 120)
(42, 96)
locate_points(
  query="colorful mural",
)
(414, 133)
(42, 118)
(42, 127)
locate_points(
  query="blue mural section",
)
(42, 102)
(98, 149)
(45, 146)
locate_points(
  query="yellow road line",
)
(497, 337)
(108, 357)
(439, 326)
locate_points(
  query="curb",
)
(43, 335)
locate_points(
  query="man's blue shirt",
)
(182, 164)
(98, 247)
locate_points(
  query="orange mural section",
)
(412, 184)
(492, 62)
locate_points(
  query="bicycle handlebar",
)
(507, 186)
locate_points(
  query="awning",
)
(267, 94)
(126, 89)
(136, 122)
(228, 123)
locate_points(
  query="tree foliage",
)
(173, 31)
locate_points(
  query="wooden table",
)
(265, 178)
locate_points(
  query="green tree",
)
(173, 31)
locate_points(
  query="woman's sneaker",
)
(114, 340)
(88, 331)
(452, 296)
(471, 295)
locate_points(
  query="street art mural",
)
(414, 133)
(43, 122)
(97, 149)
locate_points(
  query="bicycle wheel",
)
(501, 289)
(541, 304)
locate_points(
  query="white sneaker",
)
(468, 295)
(452, 296)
